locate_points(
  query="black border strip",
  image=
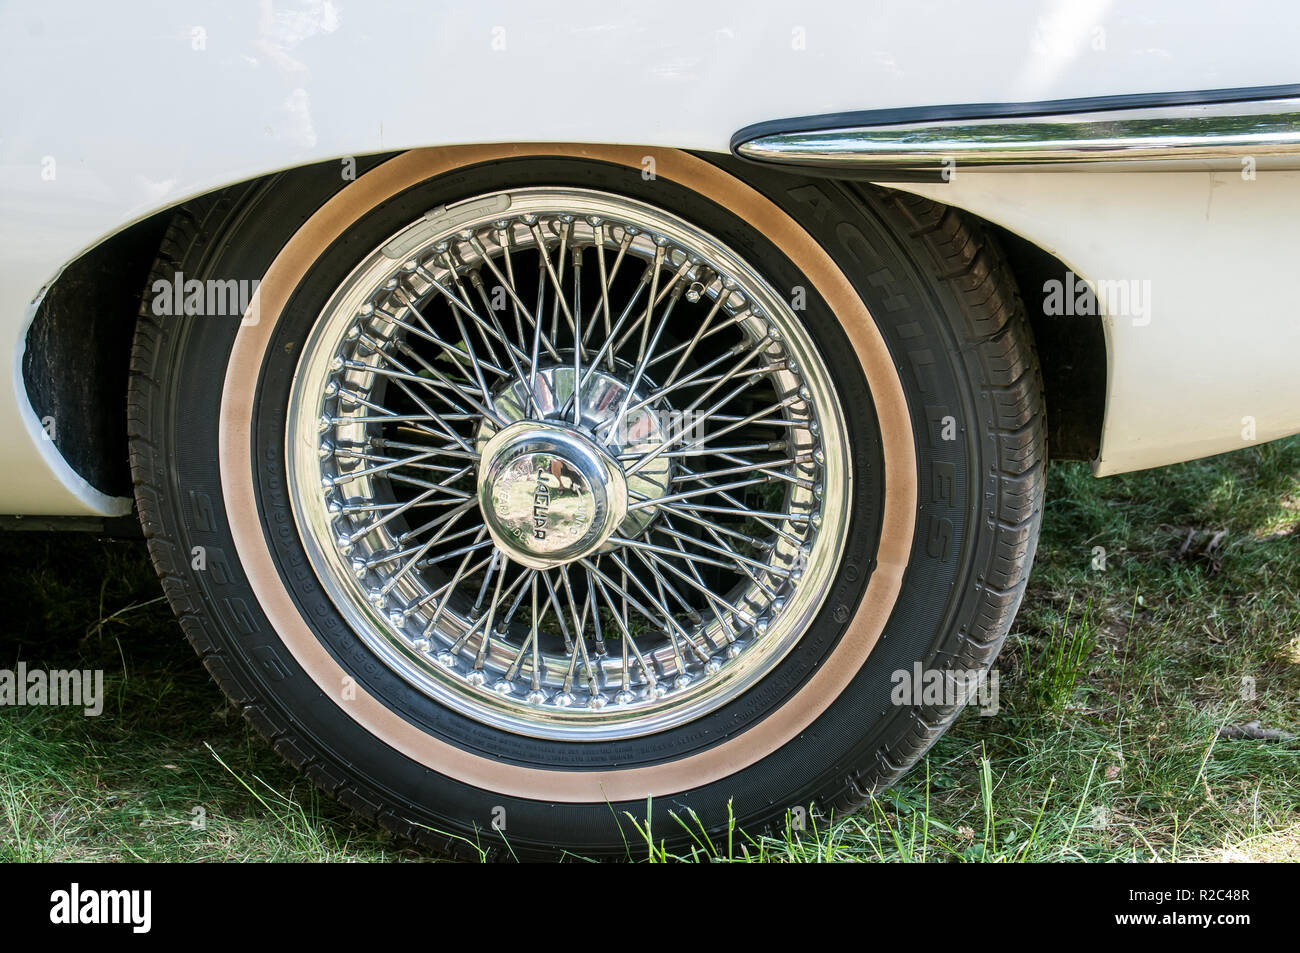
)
(916, 114)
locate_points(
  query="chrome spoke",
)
(508, 285)
(578, 347)
(665, 614)
(426, 332)
(397, 510)
(512, 351)
(726, 551)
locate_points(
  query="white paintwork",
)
(1217, 347)
(137, 119)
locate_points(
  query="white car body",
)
(116, 112)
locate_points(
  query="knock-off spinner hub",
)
(549, 495)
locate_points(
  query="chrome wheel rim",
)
(578, 569)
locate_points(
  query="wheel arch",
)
(74, 365)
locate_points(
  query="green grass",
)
(1113, 685)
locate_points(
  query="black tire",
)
(945, 303)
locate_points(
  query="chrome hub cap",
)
(568, 464)
(549, 495)
(642, 431)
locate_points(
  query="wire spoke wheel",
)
(537, 487)
(568, 464)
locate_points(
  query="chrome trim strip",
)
(1206, 136)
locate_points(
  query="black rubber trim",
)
(110, 527)
(1086, 104)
